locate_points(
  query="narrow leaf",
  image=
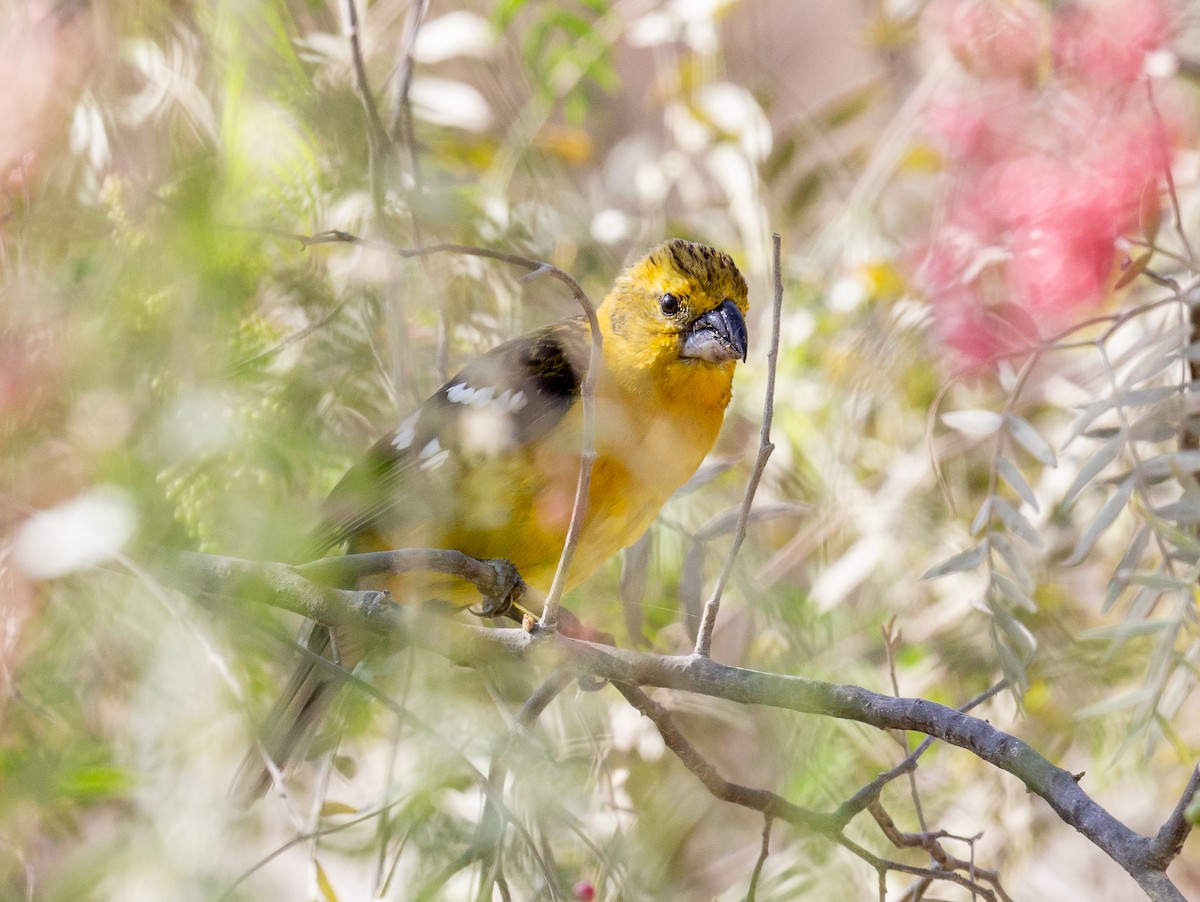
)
(1171, 464)
(1008, 552)
(1151, 365)
(1106, 454)
(958, 563)
(1016, 522)
(1119, 702)
(1087, 416)
(1129, 561)
(973, 422)
(1104, 518)
(982, 518)
(1012, 475)
(1150, 211)
(1128, 630)
(327, 890)
(1132, 268)
(1020, 638)
(1160, 581)
(1014, 593)
(1159, 424)
(1185, 511)
(1030, 439)
(1143, 396)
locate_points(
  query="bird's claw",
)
(509, 587)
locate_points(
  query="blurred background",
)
(954, 182)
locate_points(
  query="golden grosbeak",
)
(489, 464)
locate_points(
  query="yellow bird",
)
(489, 464)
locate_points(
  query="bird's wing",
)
(501, 401)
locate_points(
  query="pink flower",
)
(1108, 41)
(1042, 180)
(977, 126)
(996, 40)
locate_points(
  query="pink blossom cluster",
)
(1052, 148)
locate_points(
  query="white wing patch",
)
(433, 455)
(460, 393)
(507, 401)
(404, 433)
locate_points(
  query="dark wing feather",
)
(528, 383)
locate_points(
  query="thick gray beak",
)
(718, 336)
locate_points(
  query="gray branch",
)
(1144, 858)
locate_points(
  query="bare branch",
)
(473, 646)
(859, 801)
(711, 608)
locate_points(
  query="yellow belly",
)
(517, 505)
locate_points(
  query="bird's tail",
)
(296, 716)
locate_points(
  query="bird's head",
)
(679, 309)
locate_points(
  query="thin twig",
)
(763, 852)
(891, 640)
(931, 843)
(712, 607)
(1161, 135)
(1170, 838)
(400, 117)
(377, 140)
(883, 865)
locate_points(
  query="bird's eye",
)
(669, 304)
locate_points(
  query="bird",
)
(489, 464)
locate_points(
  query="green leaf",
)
(328, 893)
(973, 422)
(1008, 552)
(1104, 518)
(1014, 593)
(983, 517)
(1131, 268)
(1142, 396)
(1159, 580)
(1087, 416)
(1015, 521)
(1171, 464)
(1129, 561)
(505, 11)
(1185, 511)
(1120, 702)
(1030, 439)
(1012, 475)
(846, 109)
(1106, 454)
(959, 563)
(1128, 630)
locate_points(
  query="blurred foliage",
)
(172, 354)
